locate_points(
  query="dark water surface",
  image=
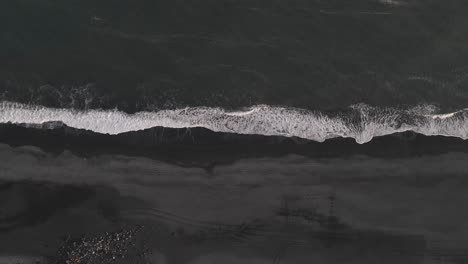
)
(147, 55)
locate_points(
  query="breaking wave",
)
(361, 122)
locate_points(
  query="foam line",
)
(361, 122)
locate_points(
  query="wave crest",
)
(361, 122)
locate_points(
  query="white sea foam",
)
(361, 122)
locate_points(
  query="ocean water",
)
(233, 131)
(152, 55)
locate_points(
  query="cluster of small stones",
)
(102, 249)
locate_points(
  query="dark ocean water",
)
(233, 131)
(149, 55)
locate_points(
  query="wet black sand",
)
(200, 147)
(251, 207)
